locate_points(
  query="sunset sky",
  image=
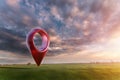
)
(79, 30)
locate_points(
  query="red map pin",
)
(38, 54)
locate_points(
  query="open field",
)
(61, 72)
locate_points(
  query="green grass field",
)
(61, 72)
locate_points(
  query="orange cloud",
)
(13, 3)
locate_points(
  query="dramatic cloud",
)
(75, 26)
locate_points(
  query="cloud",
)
(72, 25)
(14, 3)
(12, 42)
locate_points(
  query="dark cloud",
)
(12, 42)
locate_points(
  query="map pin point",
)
(38, 54)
